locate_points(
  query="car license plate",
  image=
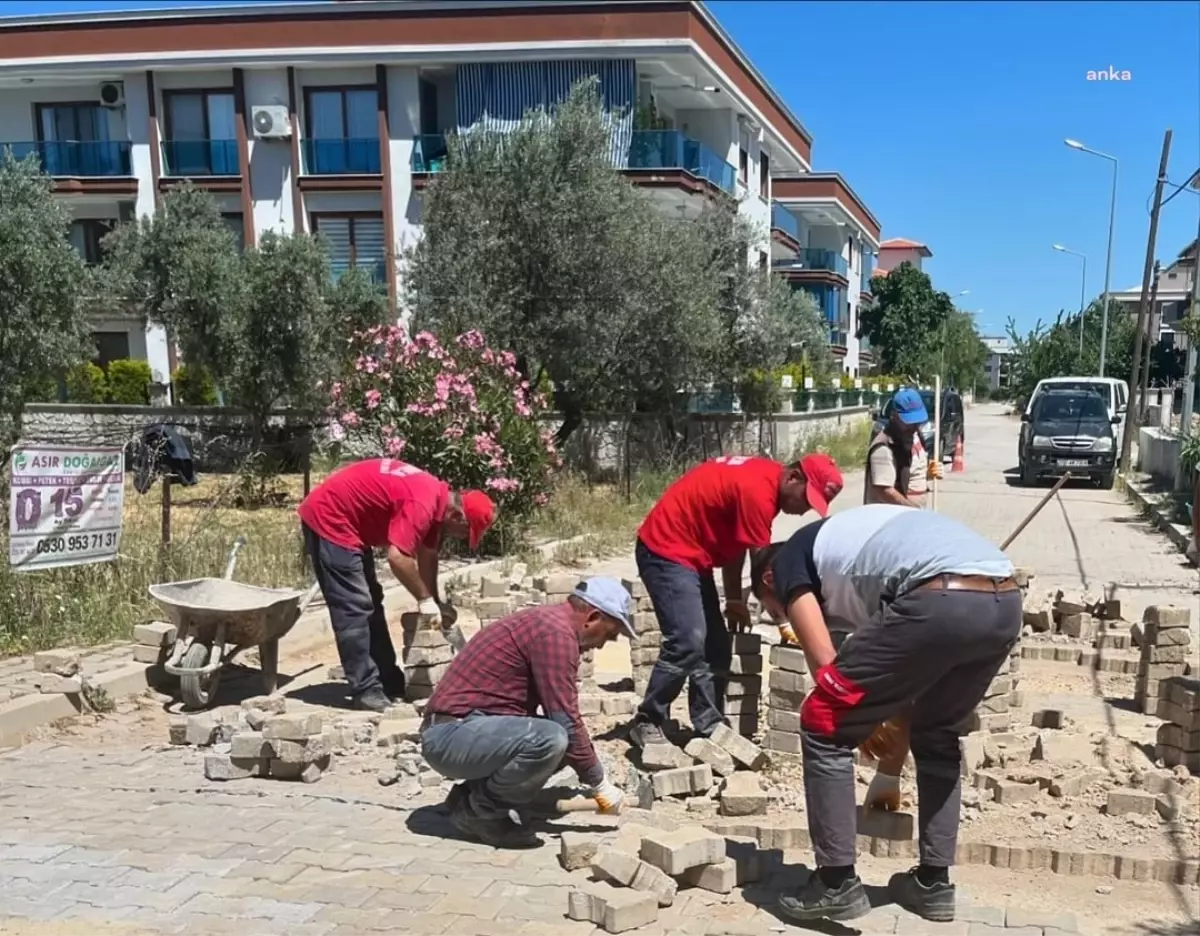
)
(1072, 463)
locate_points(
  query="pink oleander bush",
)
(459, 410)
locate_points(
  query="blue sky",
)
(948, 120)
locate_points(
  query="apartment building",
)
(331, 117)
(1171, 300)
(997, 369)
(824, 241)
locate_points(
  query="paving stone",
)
(154, 634)
(1137, 802)
(63, 685)
(742, 750)
(786, 681)
(315, 748)
(304, 772)
(63, 662)
(781, 720)
(1063, 747)
(791, 659)
(782, 741)
(675, 852)
(746, 665)
(746, 644)
(743, 795)
(292, 727)
(654, 881)
(739, 686)
(706, 751)
(664, 756)
(226, 767)
(880, 823)
(270, 704)
(200, 729)
(612, 864)
(250, 744)
(1007, 792)
(719, 877)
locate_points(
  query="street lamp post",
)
(1082, 292)
(1112, 218)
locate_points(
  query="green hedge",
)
(194, 386)
(128, 382)
(86, 383)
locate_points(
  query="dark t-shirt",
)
(794, 568)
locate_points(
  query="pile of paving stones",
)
(1178, 741)
(786, 688)
(1166, 647)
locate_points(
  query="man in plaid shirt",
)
(481, 724)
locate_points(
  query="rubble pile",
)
(640, 868)
(787, 686)
(152, 642)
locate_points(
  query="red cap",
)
(824, 481)
(480, 513)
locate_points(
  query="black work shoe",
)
(373, 700)
(934, 903)
(816, 901)
(644, 733)
(499, 831)
(456, 796)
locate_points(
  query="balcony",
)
(784, 222)
(429, 153)
(864, 284)
(671, 150)
(187, 158)
(341, 157)
(99, 159)
(813, 260)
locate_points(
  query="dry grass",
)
(847, 445)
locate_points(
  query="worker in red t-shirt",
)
(372, 504)
(708, 520)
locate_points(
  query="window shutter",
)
(336, 232)
(370, 253)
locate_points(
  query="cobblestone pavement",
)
(17, 678)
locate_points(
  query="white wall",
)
(210, 79)
(404, 123)
(271, 179)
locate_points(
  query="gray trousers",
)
(938, 649)
(505, 759)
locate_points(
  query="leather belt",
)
(438, 718)
(968, 583)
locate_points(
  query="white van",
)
(1114, 391)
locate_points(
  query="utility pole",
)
(1189, 382)
(1144, 395)
(1131, 414)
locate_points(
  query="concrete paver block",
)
(251, 745)
(720, 877)
(742, 750)
(64, 662)
(200, 730)
(791, 659)
(675, 852)
(269, 704)
(315, 748)
(304, 772)
(1073, 784)
(1061, 747)
(664, 757)
(611, 864)
(292, 727)
(1007, 792)
(674, 782)
(880, 823)
(1048, 718)
(154, 634)
(746, 644)
(1016, 917)
(619, 910)
(783, 720)
(705, 751)
(787, 681)
(226, 767)
(782, 741)
(393, 731)
(62, 685)
(655, 881)
(740, 686)
(152, 656)
(1138, 802)
(743, 796)
(577, 850)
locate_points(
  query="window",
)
(764, 175)
(354, 240)
(762, 260)
(743, 165)
(201, 133)
(429, 106)
(850, 253)
(110, 346)
(233, 221)
(86, 236)
(342, 126)
(74, 140)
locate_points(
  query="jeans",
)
(504, 759)
(354, 598)
(938, 649)
(696, 646)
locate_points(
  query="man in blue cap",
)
(481, 724)
(898, 467)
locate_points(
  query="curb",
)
(789, 835)
(1162, 522)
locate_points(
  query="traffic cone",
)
(958, 464)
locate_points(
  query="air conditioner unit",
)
(112, 93)
(271, 122)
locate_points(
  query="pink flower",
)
(540, 500)
(472, 339)
(453, 432)
(395, 446)
(503, 484)
(372, 399)
(485, 444)
(351, 419)
(336, 391)
(336, 432)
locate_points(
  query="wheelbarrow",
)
(216, 619)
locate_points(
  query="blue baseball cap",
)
(608, 596)
(908, 405)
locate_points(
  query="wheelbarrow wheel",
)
(198, 691)
(268, 656)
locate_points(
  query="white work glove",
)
(883, 793)
(608, 796)
(450, 630)
(430, 614)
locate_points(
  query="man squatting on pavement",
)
(481, 727)
(934, 610)
(380, 503)
(898, 467)
(706, 520)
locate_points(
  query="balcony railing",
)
(200, 158)
(670, 149)
(648, 149)
(864, 284)
(99, 158)
(784, 220)
(814, 258)
(341, 157)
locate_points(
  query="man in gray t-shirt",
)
(933, 612)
